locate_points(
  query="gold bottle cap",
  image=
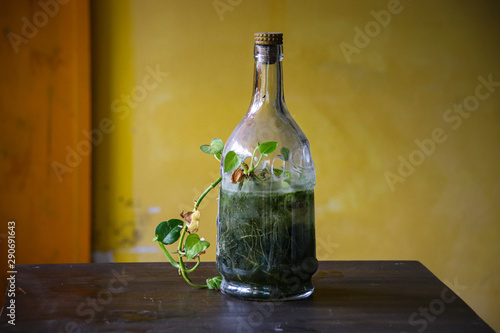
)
(268, 38)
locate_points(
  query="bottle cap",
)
(268, 38)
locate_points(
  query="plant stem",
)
(254, 176)
(252, 167)
(197, 204)
(186, 277)
(169, 257)
(182, 268)
(194, 267)
(181, 238)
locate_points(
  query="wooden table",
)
(349, 296)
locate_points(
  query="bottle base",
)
(263, 293)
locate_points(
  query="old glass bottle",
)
(265, 227)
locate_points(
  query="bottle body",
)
(265, 226)
(266, 244)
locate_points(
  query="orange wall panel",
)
(44, 107)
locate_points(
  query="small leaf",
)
(208, 149)
(215, 147)
(278, 173)
(231, 162)
(285, 153)
(217, 143)
(268, 147)
(168, 232)
(194, 246)
(214, 283)
(218, 156)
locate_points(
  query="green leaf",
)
(285, 153)
(231, 162)
(194, 246)
(217, 143)
(209, 149)
(268, 147)
(278, 173)
(215, 147)
(218, 156)
(168, 232)
(214, 283)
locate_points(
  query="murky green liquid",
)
(266, 244)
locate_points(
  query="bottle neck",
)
(268, 76)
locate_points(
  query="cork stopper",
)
(268, 38)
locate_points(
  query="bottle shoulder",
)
(267, 123)
(290, 167)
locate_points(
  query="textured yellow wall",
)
(409, 88)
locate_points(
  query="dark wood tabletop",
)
(349, 296)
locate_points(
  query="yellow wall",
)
(112, 164)
(361, 112)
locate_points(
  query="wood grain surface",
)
(349, 296)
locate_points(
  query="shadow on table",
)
(332, 304)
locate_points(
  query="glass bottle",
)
(265, 227)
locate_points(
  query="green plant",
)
(175, 230)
